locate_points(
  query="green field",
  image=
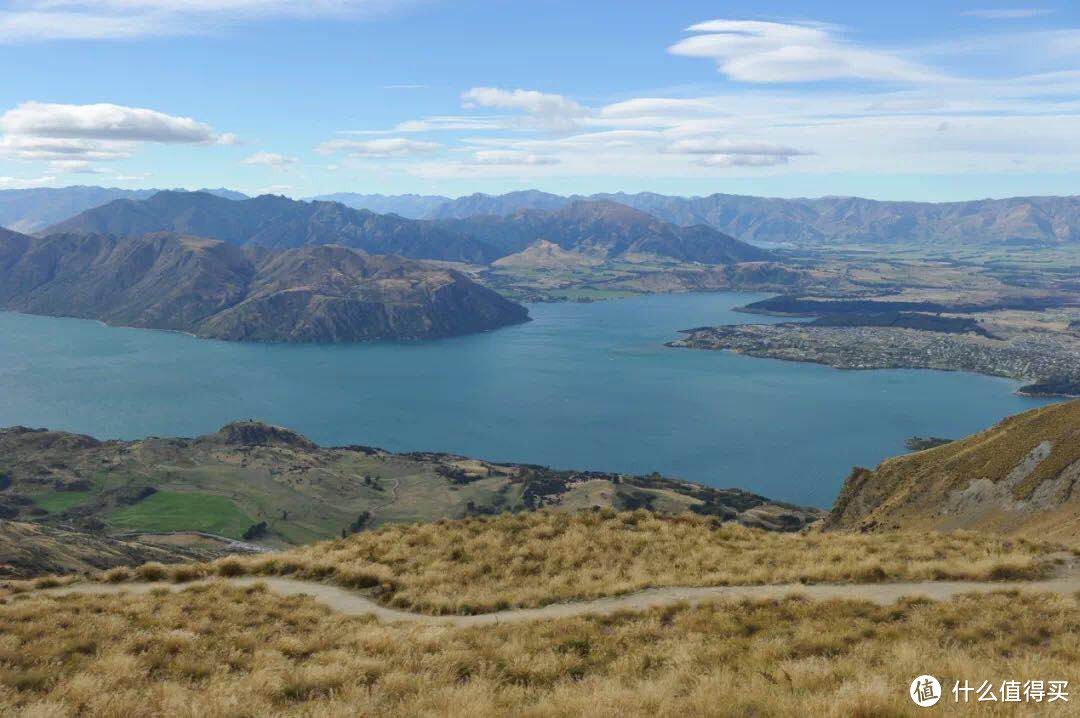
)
(57, 501)
(183, 511)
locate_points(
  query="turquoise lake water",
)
(586, 386)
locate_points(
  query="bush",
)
(229, 566)
(255, 531)
(152, 571)
(117, 575)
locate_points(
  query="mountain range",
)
(600, 229)
(214, 289)
(31, 210)
(1034, 221)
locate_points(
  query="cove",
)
(586, 386)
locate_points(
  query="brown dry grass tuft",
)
(531, 559)
(219, 650)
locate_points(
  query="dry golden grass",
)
(909, 491)
(531, 559)
(218, 650)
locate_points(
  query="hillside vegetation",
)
(223, 651)
(30, 549)
(288, 490)
(484, 565)
(1021, 476)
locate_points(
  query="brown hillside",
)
(1020, 476)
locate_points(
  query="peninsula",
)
(212, 289)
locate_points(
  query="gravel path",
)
(354, 604)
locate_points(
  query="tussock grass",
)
(532, 559)
(220, 650)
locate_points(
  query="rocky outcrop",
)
(257, 433)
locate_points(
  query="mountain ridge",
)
(212, 289)
(32, 209)
(1034, 220)
(606, 229)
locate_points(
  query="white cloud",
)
(756, 51)
(719, 146)
(531, 101)
(743, 160)
(269, 159)
(1016, 13)
(70, 137)
(381, 148)
(20, 183)
(511, 157)
(54, 148)
(42, 20)
(445, 123)
(75, 167)
(543, 109)
(102, 122)
(656, 107)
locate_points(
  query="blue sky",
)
(941, 100)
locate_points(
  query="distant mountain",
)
(606, 230)
(279, 223)
(215, 289)
(503, 204)
(1015, 221)
(437, 207)
(30, 210)
(602, 229)
(221, 192)
(410, 206)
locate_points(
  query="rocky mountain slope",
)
(608, 230)
(217, 290)
(278, 223)
(279, 488)
(1021, 476)
(603, 229)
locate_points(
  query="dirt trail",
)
(353, 604)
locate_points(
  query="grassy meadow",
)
(217, 650)
(480, 565)
(183, 511)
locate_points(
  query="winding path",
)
(353, 604)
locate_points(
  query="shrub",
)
(152, 571)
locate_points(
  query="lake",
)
(586, 386)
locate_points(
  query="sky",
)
(915, 101)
